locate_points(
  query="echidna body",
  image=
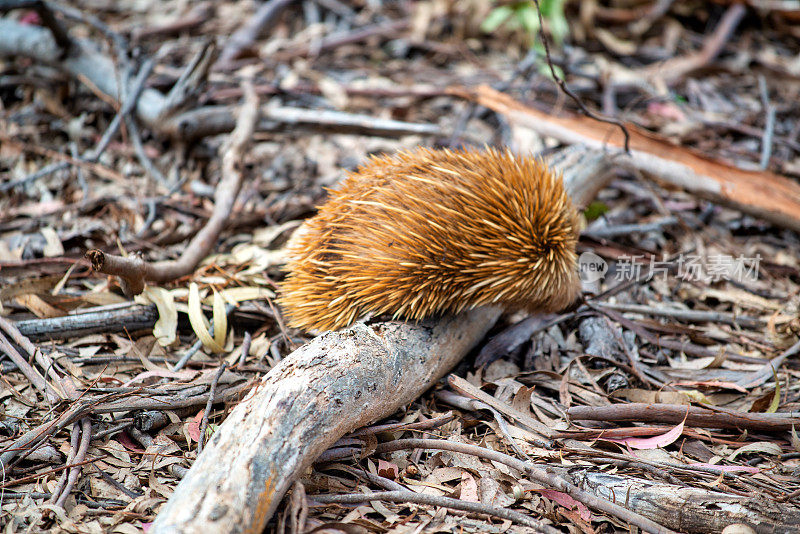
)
(428, 232)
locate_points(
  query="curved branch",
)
(133, 271)
(330, 386)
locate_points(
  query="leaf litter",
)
(697, 331)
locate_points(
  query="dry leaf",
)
(200, 323)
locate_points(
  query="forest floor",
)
(674, 392)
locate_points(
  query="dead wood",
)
(465, 388)
(133, 271)
(759, 193)
(190, 397)
(675, 69)
(260, 23)
(548, 477)
(200, 14)
(675, 413)
(328, 43)
(28, 370)
(64, 386)
(687, 509)
(407, 496)
(130, 318)
(214, 120)
(84, 61)
(331, 386)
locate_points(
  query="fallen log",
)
(763, 194)
(688, 509)
(328, 387)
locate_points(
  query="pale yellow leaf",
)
(199, 322)
(166, 328)
(235, 295)
(63, 280)
(53, 246)
(265, 236)
(220, 319)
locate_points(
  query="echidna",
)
(428, 232)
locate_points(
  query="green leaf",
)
(595, 210)
(529, 19)
(495, 18)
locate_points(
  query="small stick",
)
(421, 425)
(769, 127)
(30, 373)
(298, 508)
(75, 471)
(84, 407)
(73, 449)
(326, 44)
(133, 272)
(687, 315)
(686, 347)
(245, 349)
(264, 19)
(198, 16)
(769, 369)
(673, 70)
(675, 413)
(568, 91)
(544, 476)
(465, 403)
(130, 318)
(211, 395)
(627, 229)
(406, 496)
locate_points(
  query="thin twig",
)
(36, 379)
(211, 397)
(686, 347)
(703, 316)
(769, 369)
(181, 363)
(627, 229)
(420, 425)
(674, 70)
(545, 476)
(133, 271)
(190, 80)
(144, 160)
(120, 43)
(769, 127)
(73, 450)
(465, 403)
(257, 25)
(569, 92)
(245, 349)
(406, 496)
(75, 471)
(108, 404)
